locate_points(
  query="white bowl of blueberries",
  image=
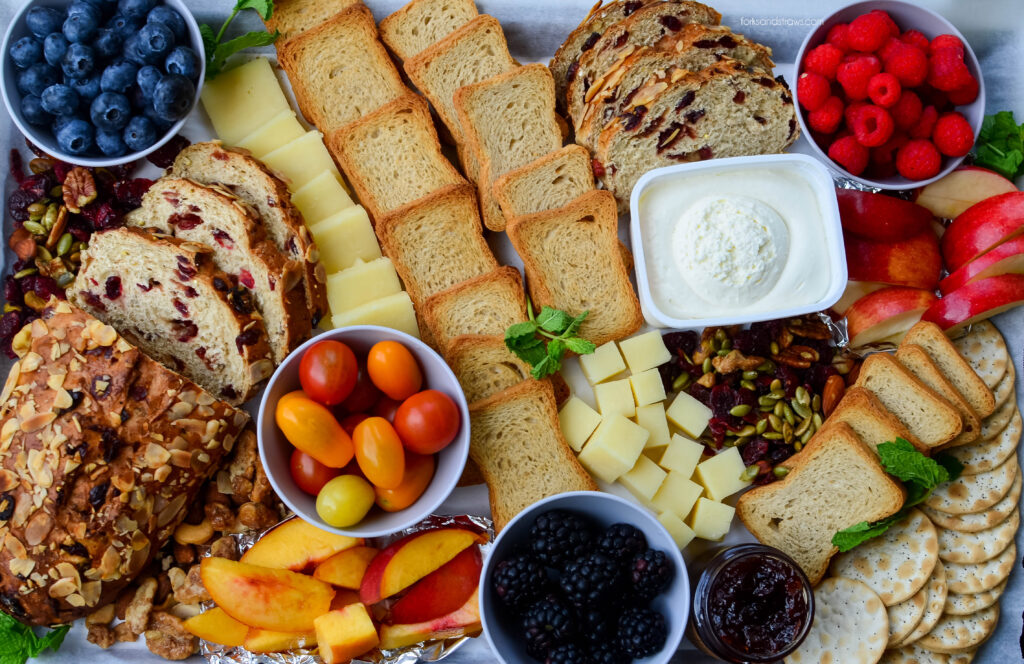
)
(101, 82)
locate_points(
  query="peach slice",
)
(912, 262)
(346, 569)
(265, 640)
(411, 558)
(216, 626)
(296, 545)
(442, 591)
(981, 227)
(967, 185)
(464, 620)
(273, 599)
(886, 314)
(1007, 258)
(976, 301)
(344, 634)
(343, 598)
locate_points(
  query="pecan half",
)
(810, 329)
(798, 357)
(79, 189)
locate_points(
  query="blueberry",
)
(85, 8)
(75, 137)
(173, 97)
(61, 121)
(118, 76)
(155, 40)
(80, 28)
(110, 111)
(32, 110)
(124, 26)
(35, 79)
(170, 18)
(135, 7)
(140, 133)
(87, 88)
(134, 51)
(54, 47)
(156, 119)
(41, 21)
(26, 52)
(106, 43)
(183, 60)
(110, 143)
(147, 78)
(59, 99)
(79, 61)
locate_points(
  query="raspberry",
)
(812, 90)
(965, 94)
(885, 154)
(838, 36)
(891, 44)
(947, 70)
(953, 135)
(872, 126)
(916, 38)
(907, 110)
(924, 125)
(918, 160)
(947, 41)
(884, 90)
(826, 118)
(823, 60)
(849, 154)
(850, 115)
(909, 64)
(894, 30)
(855, 75)
(869, 31)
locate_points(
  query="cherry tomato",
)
(328, 372)
(419, 470)
(394, 370)
(386, 408)
(313, 429)
(364, 394)
(309, 474)
(427, 422)
(349, 422)
(379, 452)
(344, 501)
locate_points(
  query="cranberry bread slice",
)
(166, 296)
(421, 23)
(722, 111)
(100, 461)
(256, 185)
(218, 219)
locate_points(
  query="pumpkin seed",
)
(749, 385)
(803, 396)
(780, 409)
(803, 427)
(727, 344)
(775, 348)
(36, 209)
(801, 409)
(775, 421)
(750, 375)
(818, 421)
(25, 273)
(816, 403)
(64, 244)
(762, 426)
(787, 432)
(772, 435)
(39, 165)
(34, 301)
(807, 435)
(765, 409)
(776, 385)
(740, 410)
(722, 353)
(766, 367)
(64, 279)
(720, 335)
(681, 382)
(779, 394)
(730, 442)
(788, 415)
(780, 471)
(57, 192)
(34, 227)
(797, 446)
(75, 257)
(50, 218)
(749, 473)
(707, 366)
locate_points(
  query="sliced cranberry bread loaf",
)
(103, 452)
(166, 296)
(213, 216)
(256, 185)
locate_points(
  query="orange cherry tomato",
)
(427, 422)
(386, 408)
(309, 474)
(419, 470)
(394, 370)
(313, 429)
(328, 372)
(364, 394)
(349, 422)
(379, 452)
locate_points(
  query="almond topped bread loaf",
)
(166, 296)
(102, 452)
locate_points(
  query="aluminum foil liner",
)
(427, 651)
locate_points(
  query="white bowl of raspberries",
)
(890, 94)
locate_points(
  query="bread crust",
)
(390, 26)
(858, 398)
(436, 308)
(504, 185)
(291, 17)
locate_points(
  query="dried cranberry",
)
(669, 372)
(129, 193)
(598, 168)
(185, 222)
(10, 323)
(754, 451)
(102, 215)
(818, 374)
(180, 306)
(241, 301)
(15, 166)
(185, 330)
(700, 393)
(705, 153)
(93, 301)
(138, 393)
(42, 286)
(229, 392)
(221, 285)
(186, 270)
(631, 119)
(247, 338)
(739, 97)
(754, 341)
(78, 228)
(223, 239)
(245, 278)
(570, 75)
(686, 342)
(165, 155)
(672, 23)
(693, 116)
(790, 381)
(113, 287)
(723, 400)
(778, 454)
(686, 100)
(39, 185)
(12, 291)
(18, 202)
(631, 7)
(61, 170)
(191, 292)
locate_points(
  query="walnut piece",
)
(168, 638)
(256, 516)
(136, 616)
(736, 361)
(124, 634)
(225, 547)
(192, 590)
(79, 189)
(101, 635)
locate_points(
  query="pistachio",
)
(780, 471)
(34, 302)
(40, 165)
(749, 473)
(64, 279)
(750, 375)
(740, 410)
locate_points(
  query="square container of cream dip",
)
(733, 241)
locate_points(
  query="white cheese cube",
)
(720, 474)
(644, 480)
(689, 415)
(578, 421)
(394, 311)
(603, 363)
(613, 449)
(243, 99)
(677, 495)
(681, 533)
(301, 160)
(344, 238)
(682, 455)
(711, 520)
(362, 283)
(282, 129)
(321, 197)
(644, 351)
(652, 418)
(647, 387)
(615, 397)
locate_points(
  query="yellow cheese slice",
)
(615, 397)
(301, 160)
(680, 532)
(578, 421)
(243, 99)
(644, 479)
(614, 448)
(652, 418)
(394, 311)
(321, 197)
(344, 238)
(721, 474)
(603, 363)
(362, 283)
(282, 129)
(711, 520)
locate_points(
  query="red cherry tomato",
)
(328, 372)
(394, 370)
(349, 422)
(364, 394)
(427, 422)
(386, 408)
(309, 474)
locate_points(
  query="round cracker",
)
(974, 493)
(896, 564)
(956, 634)
(986, 454)
(969, 578)
(1005, 389)
(957, 547)
(985, 350)
(997, 421)
(906, 615)
(965, 605)
(972, 523)
(913, 654)
(850, 625)
(937, 590)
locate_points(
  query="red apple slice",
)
(854, 291)
(442, 591)
(976, 301)
(880, 217)
(967, 185)
(914, 262)
(981, 227)
(886, 314)
(1007, 258)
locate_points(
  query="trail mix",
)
(769, 387)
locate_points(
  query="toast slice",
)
(437, 242)
(869, 419)
(954, 367)
(929, 417)
(509, 120)
(392, 156)
(566, 255)
(518, 445)
(487, 304)
(421, 23)
(484, 365)
(548, 183)
(293, 17)
(915, 360)
(833, 483)
(339, 70)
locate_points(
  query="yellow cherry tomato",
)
(419, 470)
(313, 429)
(394, 370)
(379, 452)
(344, 501)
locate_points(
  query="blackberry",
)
(519, 580)
(642, 632)
(608, 653)
(569, 653)
(591, 579)
(559, 536)
(547, 623)
(598, 624)
(650, 574)
(621, 541)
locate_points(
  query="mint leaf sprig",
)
(1001, 145)
(543, 340)
(218, 52)
(920, 475)
(19, 642)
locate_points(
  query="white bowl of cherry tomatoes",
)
(363, 431)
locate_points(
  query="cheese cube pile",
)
(645, 442)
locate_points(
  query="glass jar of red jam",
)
(751, 604)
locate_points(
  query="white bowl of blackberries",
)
(584, 578)
(101, 82)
